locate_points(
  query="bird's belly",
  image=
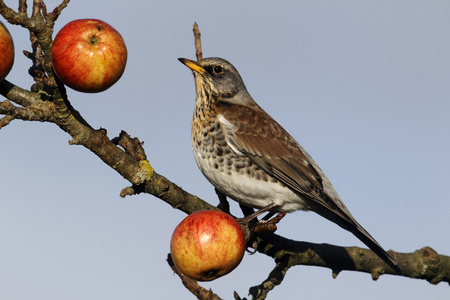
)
(241, 180)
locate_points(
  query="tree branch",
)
(425, 263)
(18, 95)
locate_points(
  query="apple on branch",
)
(207, 245)
(89, 55)
(6, 51)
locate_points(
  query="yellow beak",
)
(193, 65)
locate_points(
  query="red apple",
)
(89, 55)
(6, 51)
(207, 245)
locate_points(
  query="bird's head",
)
(218, 77)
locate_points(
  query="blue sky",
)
(362, 85)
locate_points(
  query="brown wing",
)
(269, 146)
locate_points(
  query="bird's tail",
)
(346, 221)
(370, 242)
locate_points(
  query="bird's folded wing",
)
(251, 131)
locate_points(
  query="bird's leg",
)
(268, 216)
(246, 210)
(223, 202)
(249, 218)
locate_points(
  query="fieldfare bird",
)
(249, 157)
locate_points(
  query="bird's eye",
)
(218, 69)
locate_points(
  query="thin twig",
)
(53, 16)
(36, 7)
(5, 121)
(23, 7)
(198, 42)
